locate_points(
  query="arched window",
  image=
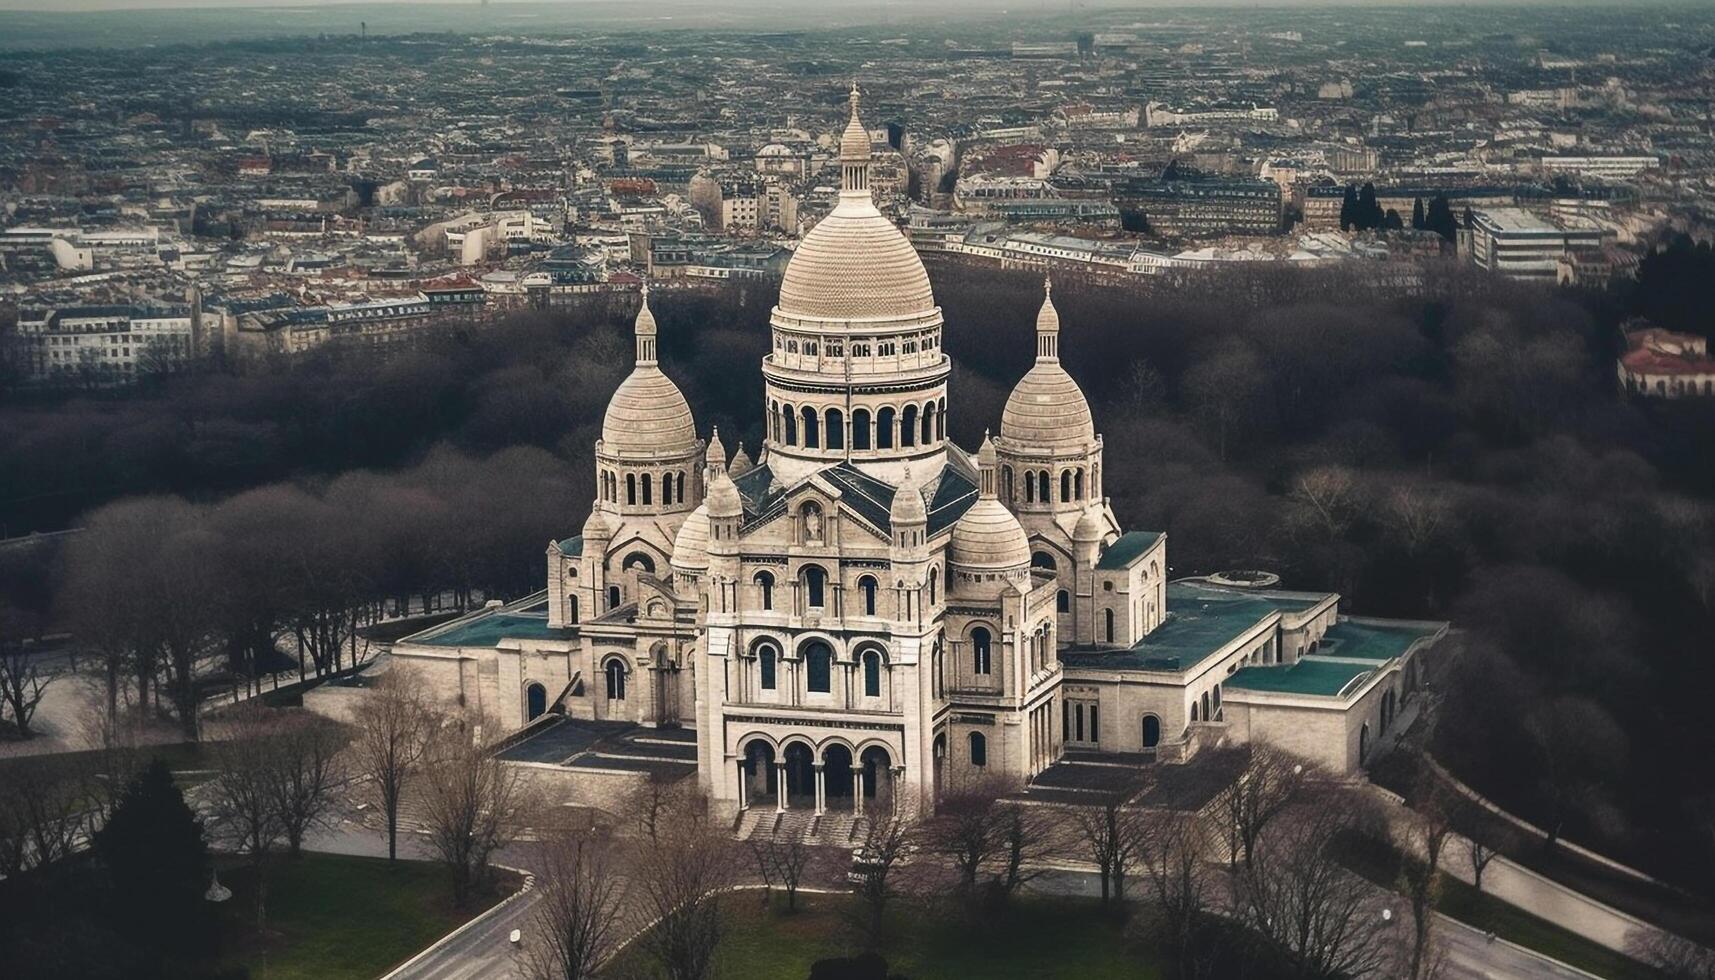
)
(790, 416)
(1006, 484)
(631, 488)
(941, 418)
(935, 584)
(679, 490)
(979, 749)
(1029, 487)
(908, 426)
(535, 701)
(572, 609)
(765, 584)
(1042, 559)
(1207, 715)
(1044, 487)
(928, 423)
(812, 431)
(860, 428)
(774, 421)
(648, 498)
(871, 674)
(766, 657)
(638, 559)
(613, 597)
(819, 668)
(1108, 624)
(1062, 601)
(836, 426)
(615, 672)
(867, 586)
(884, 429)
(1065, 485)
(1151, 731)
(1194, 711)
(1078, 484)
(980, 642)
(666, 488)
(815, 586)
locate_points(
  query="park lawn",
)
(1039, 937)
(1380, 863)
(332, 916)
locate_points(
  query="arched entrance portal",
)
(877, 767)
(1151, 731)
(800, 774)
(837, 776)
(535, 701)
(757, 774)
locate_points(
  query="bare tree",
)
(472, 804)
(307, 764)
(1169, 849)
(574, 924)
(42, 811)
(1106, 833)
(243, 796)
(395, 722)
(782, 860)
(23, 682)
(1028, 834)
(1271, 781)
(889, 838)
(968, 828)
(1427, 829)
(1322, 918)
(684, 877)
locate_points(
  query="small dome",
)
(989, 538)
(1047, 410)
(691, 544)
(1047, 318)
(648, 414)
(908, 503)
(716, 454)
(741, 463)
(1090, 526)
(723, 499)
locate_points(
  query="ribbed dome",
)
(908, 503)
(1047, 410)
(855, 264)
(691, 544)
(989, 538)
(723, 499)
(1090, 526)
(648, 414)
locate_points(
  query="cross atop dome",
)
(1047, 324)
(643, 328)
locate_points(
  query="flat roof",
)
(1201, 619)
(1322, 678)
(1126, 548)
(487, 629)
(1374, 640)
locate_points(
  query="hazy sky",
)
(1013, 6)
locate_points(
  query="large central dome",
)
(855, 265)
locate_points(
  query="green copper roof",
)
(1322, 678)
(1201, 620)
(572, 547)
(1126, 548)
(1374, 640)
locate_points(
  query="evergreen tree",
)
(1370, 215)
(1349, 208)
(157, 863)
(1392, 221)
(1439, 218)
(1417, 217)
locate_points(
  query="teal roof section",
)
(1317, 678)
(1126, 549)
(488, 629)
(1374, 640)
(572, 547)
(1201, 620)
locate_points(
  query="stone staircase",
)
(836, 828)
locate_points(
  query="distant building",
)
(1662, 364)
(1606, 167)
(1202, 207)
(1160, 114)
(1524, 245)
(105, 344)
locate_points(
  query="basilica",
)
(866, 611)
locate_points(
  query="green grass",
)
(332, 917)
(1380, 863)
(1038, 937)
